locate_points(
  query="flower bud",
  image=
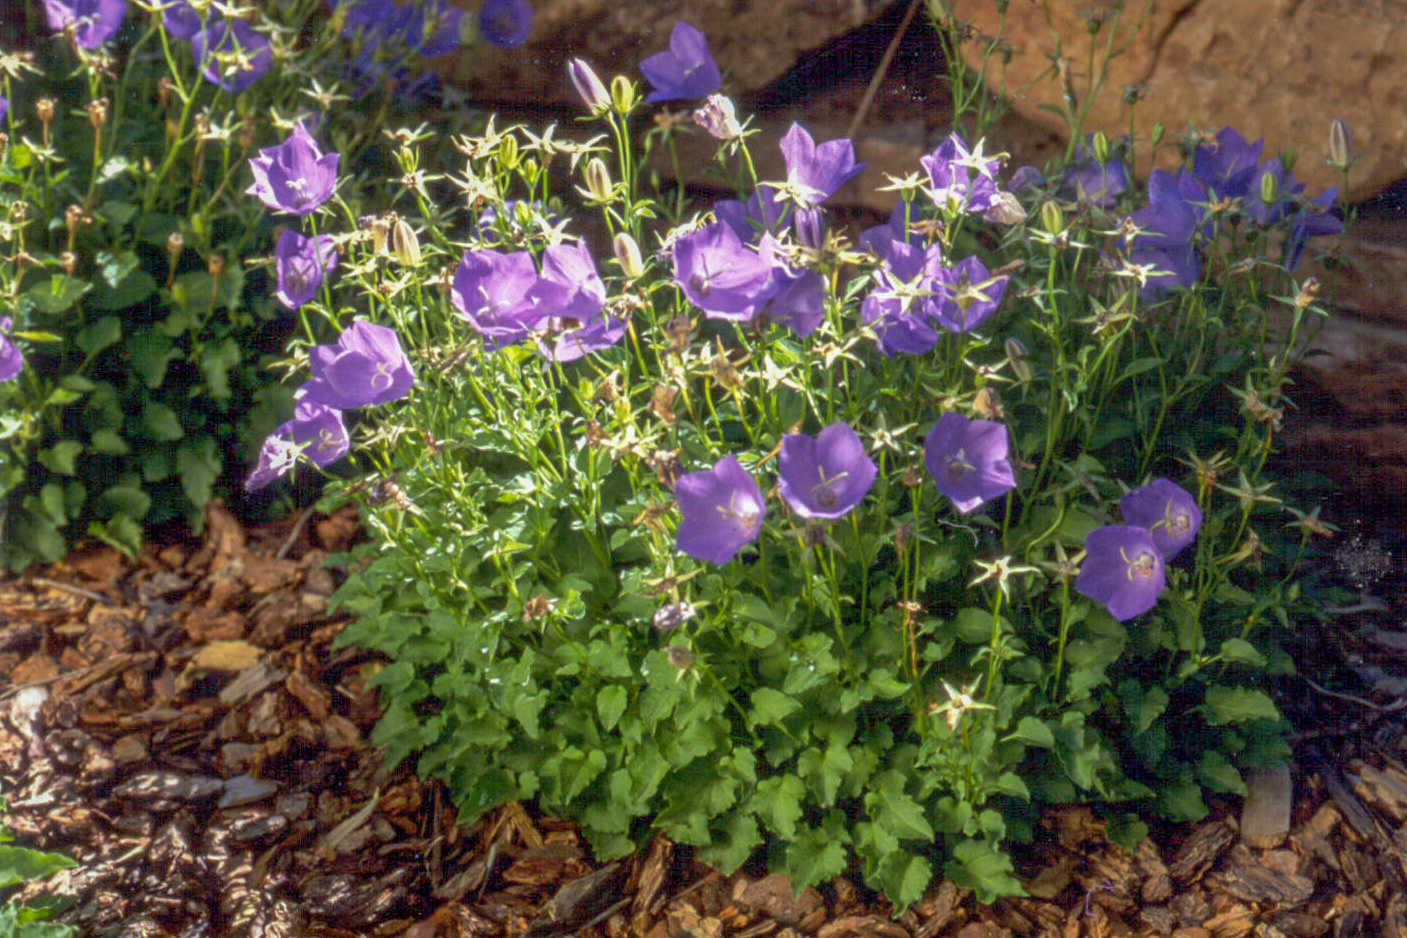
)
(216, 265)
(175, 244)
(1100, 144)
(679, 656)
(670, 617)
(68, 261)
(44, 107)
(1340, 145)
(623, 96)
(598, 180)
(1005, 210)
(1017, 354)
(1288, 158)
(1052, 219)
(1156, 137)
(97, 112)
(508, 151)
(628, 255)
(405, 244)
(593, 93)
(1269, 189)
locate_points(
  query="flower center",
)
(1141, 565)
(823, 492)
(381, 373)
(958, 466)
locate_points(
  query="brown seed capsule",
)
(679, 656)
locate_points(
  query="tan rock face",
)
(1278, 69)
(753, 41)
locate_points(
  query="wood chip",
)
(1259, 884)
(1203, 848)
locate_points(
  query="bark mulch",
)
(181, 727)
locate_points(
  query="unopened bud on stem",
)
(598, 180)
(628, 255)
(1340, 145)
(593, 93)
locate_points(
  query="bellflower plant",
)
(721, 511)
(294, 177)
(315, 430)
(232, 55)
(824, 476)
(686, 71)
(11, 359)
(609, 616)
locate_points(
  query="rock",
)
(753, 41)
(1265, 815)
(1278, 69)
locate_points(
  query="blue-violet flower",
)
(366, 366)
(827, 475)
(301, 263)
(968, 459)
(1123, 569)
(720, 510)
(687, 70)
(1168, 512)
(295, 176)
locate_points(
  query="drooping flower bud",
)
(588, 85)
(1005, 210)
(1017, 354)
(718, 119)
(1340, 145)
(628, 255)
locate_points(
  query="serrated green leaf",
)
(21, 865)
(979, 866)
(1240, 651)
(903, 878)
(150, 353)
(62, 457)
(161, 423)
(777, 802)
(57, 294)
(108, 442)
(96, 336)
(890, 806)
(741, 839)
(119, 531)
(1215, 772)
(198, 465)
(610, 704)
(771, 706)
(1237, 705)
(1033, 732)
(216, 360)
(1153, 705)
(123, 500)
(812, 858)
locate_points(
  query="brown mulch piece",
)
(182, 728)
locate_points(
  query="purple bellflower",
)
(800, 300)
(301, 263)
(295, 176)
(1123, 569)
(499, 295)
(968, 459)
(968, 295)
(1227, 167)
(686, 71)
(1167, 511)
(316, 430)
(11, 361)
(1285, 188)
(577, 300)
(1312, 220)
(1169, 224)
(720, 510)
(180, 19)
(824, 476)
(763, 213)
(721, 275)
(961, 178)
(433, 28)
(878, 238)
(905, 301)
(1025, 177)
(816, 171)
(1089, 180)
(94, 22)
(505, 23)
(231, 54)
(366, 366)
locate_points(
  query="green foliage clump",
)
(20, 865)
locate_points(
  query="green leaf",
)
(123, 500)
(771, 706)
(891, 807)
(610, 704)
(973, 626)
(161, 423)
(1152, 706)
(1218, 774)
(1238, 705)
(20, 865)
(903, 878)
(119, 213)
(813, 857)
(742, 838)
(121, 532)
(1182, 800)
(95, 337)
(979, 866)
(62, 457)
(150, 352)
(1033, 732)
(57, 294)
(1240, 651)
(114, 268)
(198, 465)
(215, 363)
(1125, 830)
(108, 442)
(777, 802)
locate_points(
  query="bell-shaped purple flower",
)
(94, 22)
(301, 263)
(824, 476)
(315, 431)
(366, 366)
(968, 459)
(721, 275)
(817, 171)
(686, 71)
(295, 176)
(1089, 180)
(500, 295)
(968, 295)
(505, 23)
(1312, 220)
(763, 213)
(1168, 512)
(720, 510)
(878, 238)
(1123, 569)
(1227, 167)
(433, 28)
(578, 323)
(959, 178)
(11, 361)
(180, 19)
(232, 55)
(906, 298)
(800, 301)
